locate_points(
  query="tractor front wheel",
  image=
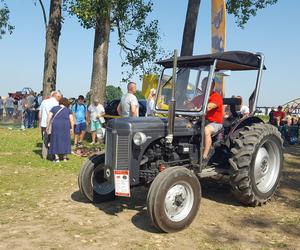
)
(92, 184)
(173, 199)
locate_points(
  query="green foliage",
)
(139, 95)
(5, 26)
(137, 36)
(244, 9)
(113, 92)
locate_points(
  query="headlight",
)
(139, 138)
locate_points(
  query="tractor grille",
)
(116, 150)
(109, 148)
(122, 151)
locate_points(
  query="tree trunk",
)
(190, 25)
(187, 46)
(100, 58)
(52, 39)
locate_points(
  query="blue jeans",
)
(9, 112)
(29, 118)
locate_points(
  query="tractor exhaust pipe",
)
(172, 103)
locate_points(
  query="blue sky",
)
(274, 31)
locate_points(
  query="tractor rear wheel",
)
(257, 158)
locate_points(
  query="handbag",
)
(49, 129)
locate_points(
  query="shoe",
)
(206, 160)
(56, 160)
(92, 143)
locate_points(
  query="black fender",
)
(247, 121)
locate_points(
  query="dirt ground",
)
(41, 208)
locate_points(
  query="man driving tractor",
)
(214, 119)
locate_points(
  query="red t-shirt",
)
(217, 114)
(280, 114)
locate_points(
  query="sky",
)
(274, 31)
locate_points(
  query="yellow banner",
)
(218, 33)
(149, 82)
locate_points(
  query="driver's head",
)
(131, 87)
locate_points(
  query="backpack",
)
(76, 106)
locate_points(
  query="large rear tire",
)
(257, 160)
(92, 184)
(173, 199)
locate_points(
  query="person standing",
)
(29, 112)
(45, 108)
(279, 116)
(243, 110)
(271, 116)
(9, 106)
(151, 102)
(61, 121)
(95, 115)
(79, 110)
(129, 105)
(1, 108)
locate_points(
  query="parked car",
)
(111, 108)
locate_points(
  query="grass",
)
(22, 148)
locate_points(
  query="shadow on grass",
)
(137, 203)
(38, 149)
(293, 150)
(218, 192)
(213, 191)
(263, 222)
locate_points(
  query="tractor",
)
(165, 151)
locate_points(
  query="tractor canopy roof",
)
(229, 60)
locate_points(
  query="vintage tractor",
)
(166, 152)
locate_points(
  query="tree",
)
(190, 25)
(113, 92)
(53, 29)
(5, 26)
(137, 38)
(241, 9)
(244, 9)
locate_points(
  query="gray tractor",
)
(165, 151)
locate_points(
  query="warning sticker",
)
(122, 184)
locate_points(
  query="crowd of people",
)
(24, 108)
(287, 124)
(59, 119)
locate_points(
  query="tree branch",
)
(44, 14)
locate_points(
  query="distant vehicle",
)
(111, 108)
(19, 94)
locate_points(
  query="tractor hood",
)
(152, 125)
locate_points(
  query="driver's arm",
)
(211, 106)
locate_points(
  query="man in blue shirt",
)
(79, 110)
